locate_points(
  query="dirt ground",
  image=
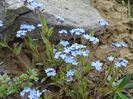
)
(120, 28)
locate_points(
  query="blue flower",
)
(63, 56)
(70, 60)
(97, 64)
(21, 33)
(110, 58)
(121, 62)
(27, 27)
(70, 73)
(76, 53)
(94, 40)
(103, 23)
(60, 19)
(1, 23)
(64, 43)
(54, 50)
(86, 36)
(50, 72)
(32, 93)
(85, 53)
(26, 90)
(80, 53)
(120, 44)
(39, 25)
(57, 55)
(76, 46)
(77, 31)
(62, 32)
(67, 50)
(33, 4)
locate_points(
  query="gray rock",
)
(79, 13)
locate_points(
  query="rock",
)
(79, 13)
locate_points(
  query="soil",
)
(120, 28)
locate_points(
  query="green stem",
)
(129, 8)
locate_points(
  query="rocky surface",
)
(79, 13)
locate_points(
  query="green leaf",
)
(45, 28)
(2, 44)
(115, 96)
(121, 95)
(50, 32)
(18, 49)
(30, 42)
(129, 86)
(124, 81)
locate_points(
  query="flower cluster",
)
(81, 33)
(69, 53)
(32, 93)
(120, 44)
(24, 28)
(33, 4)
(1, 23)
(27, 27)
(92, 39)
(50, 72)
(121, 62)
(77, 32)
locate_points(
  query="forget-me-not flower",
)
(121, 62)
(110, 58)
(67, 50)
(64, 43)
(70, 60)
(21, 33)
(70, 73)
(86, 36)
(97, 64)
(39, 25)
(32, 93)
(60, 19)
(50, 72)
(120, 44)
(1, 23)
(103, 23)
(57, 55)
(27, 27)
(76, 46)
(94, 40)
(77, 31)
(26, 90)
(62, 32)
(34, 4)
